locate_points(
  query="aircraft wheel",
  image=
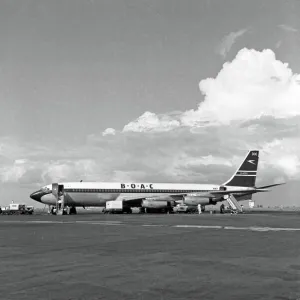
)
(72, 210)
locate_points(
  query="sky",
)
(156, 91)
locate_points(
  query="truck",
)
(116, 207)
(17, 209)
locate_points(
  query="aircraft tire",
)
(72, 210)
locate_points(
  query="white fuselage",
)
(98, 193)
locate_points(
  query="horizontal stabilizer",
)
(267, 186)
(261, 190)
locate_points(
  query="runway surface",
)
(96, 256)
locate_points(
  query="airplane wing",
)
(174, 197)
(212, 194)
(135, 199)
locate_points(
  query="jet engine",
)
(155, 204)
(194, 200)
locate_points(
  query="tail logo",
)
(251, 161)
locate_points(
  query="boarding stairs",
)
(234, 204)
(58, 192)
(60, 205)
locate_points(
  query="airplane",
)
(147, 196)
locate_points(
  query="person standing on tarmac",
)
(222, 208)
(199, 208)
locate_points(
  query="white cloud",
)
(69, 170)
(57, 171)
(290, 164)
(206, 160)
(21, 161)
(12, 173)
(152, 123)
(228, 41)
(109, 131)
(40, 165)
(284, 155)
(254, 84)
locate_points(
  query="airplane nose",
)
(36, 196)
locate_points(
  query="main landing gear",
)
(69, 210)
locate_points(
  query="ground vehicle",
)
(29, 210)
(17, 209)
(181, 208)
(117, 207)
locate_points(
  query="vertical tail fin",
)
(245, 175)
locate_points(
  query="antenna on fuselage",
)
(81, 180)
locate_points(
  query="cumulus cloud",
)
(228, 41)
(69, 170)
(205, 160)
(253, 85)
(152, 122)
(109, 131)
(290, 164)
(29, 163)
(13, 172)
(41, 172)
(21, 161)
(283, 154)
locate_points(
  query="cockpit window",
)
(45, 189)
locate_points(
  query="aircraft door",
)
(55, 189)
(58, 192)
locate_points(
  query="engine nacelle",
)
(154, 204)
(194, 200)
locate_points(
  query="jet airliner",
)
(241, 186)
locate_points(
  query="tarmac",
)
(97, 256)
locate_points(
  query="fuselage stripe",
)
(132, 191)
